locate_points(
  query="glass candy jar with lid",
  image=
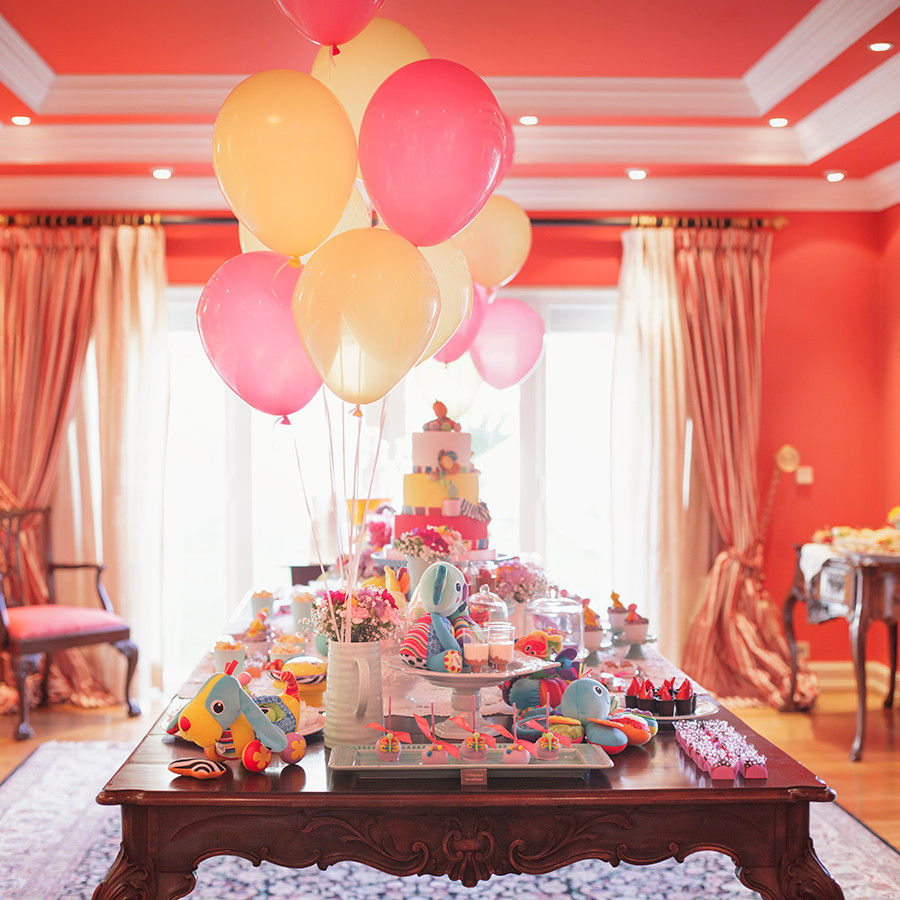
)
(485, 606)
(558, 615)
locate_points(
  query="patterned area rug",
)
(55, 842)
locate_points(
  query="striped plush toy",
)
(434, 641)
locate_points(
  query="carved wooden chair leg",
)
(892, 652)
(130, 651)
(23, 666)
(45, 680)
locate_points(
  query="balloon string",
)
(334, 499)
(354, 545)
(312, 522)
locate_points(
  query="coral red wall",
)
(831, 366)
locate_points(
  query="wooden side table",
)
(862, 588)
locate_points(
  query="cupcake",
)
(593, 630)
(616, 613)
(635, 627)
(665, 702)
(685, 699)
(647, 701)
(633, 694)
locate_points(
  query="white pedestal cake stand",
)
(467, 685)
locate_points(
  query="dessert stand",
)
(466, 689)
(634, 647)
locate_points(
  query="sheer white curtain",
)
(111, 482)
(660, 519)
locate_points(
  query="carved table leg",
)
(788, 616)
(130, 651)
(800, 875)
(892, 652)
(138, 873)
(859, 626)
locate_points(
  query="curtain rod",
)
(635, 221)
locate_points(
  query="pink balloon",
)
(331, 22)
(431, 146)
(509, 150)
(247, 329)
(462, 338)
(508, 344)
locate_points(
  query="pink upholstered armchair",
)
(29, 630)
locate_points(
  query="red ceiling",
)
(604, 38)
(641, 38)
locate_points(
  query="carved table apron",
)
(655, 804)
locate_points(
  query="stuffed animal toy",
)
(541, 688)
(589, 703)
(228, 723)
(434, 640)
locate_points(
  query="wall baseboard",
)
(837, 675)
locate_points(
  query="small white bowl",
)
(636, 632)
(221, 658)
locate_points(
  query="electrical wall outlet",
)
(803, 651)
(804, 475)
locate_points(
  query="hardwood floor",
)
(820, 740)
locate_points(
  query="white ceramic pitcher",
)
(353, 693)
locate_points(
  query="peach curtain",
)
(112, 482)
(46, 287)
(736, 646)
(660, 536)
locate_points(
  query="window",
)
(236, 516)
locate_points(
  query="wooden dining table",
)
(654, 804)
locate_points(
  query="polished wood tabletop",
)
(654, 804)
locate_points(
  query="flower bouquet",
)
(520, 582)
(374, 614)
(430, 544)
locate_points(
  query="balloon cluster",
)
(372, 237)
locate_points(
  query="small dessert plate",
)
(706, 706)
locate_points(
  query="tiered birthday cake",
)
(442, 489)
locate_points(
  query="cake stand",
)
(466, 689)
(634, 648)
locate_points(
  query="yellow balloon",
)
(381, 48)
(356, 214)
(250, 243)
(455, 286)
(496, 242)
(285, 156)
(366, 306)
(455, 384)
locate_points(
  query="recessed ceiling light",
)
(162, 174)
(835, 176)
(21, 120)
(881, 46)
(778, 122)
(528, 120)
(636, 174)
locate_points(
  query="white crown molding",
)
(854, 111)
(885, 185)
(22, 70)
(820, 36)
(640, 144)
(691, 193)
(138, 95)
(53, 144)
(672, 97)
(566, 144)
(90, 192)
(720, 194)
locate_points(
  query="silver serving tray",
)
(362, 760)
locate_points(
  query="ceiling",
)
(684, 90)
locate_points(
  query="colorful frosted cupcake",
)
(547, 746)
(685, 699)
